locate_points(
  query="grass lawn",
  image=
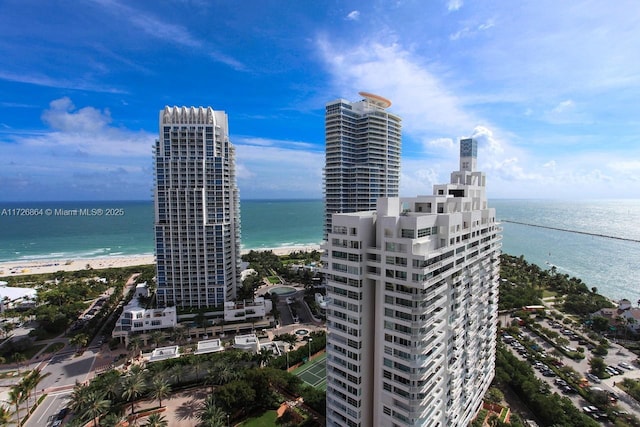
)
(268, 419)
(547, 293)
(274, 280)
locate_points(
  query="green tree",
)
(177, 373)
(79, 340)
(160, 389)
(156, 420)
(19, 359)
(157, 337)
(79, 397)
(132, 388)
(134, 346)
(16, 397)
(598, 366)
(211, 415)
(95, 406)
(30, 382)
(235, 396)
(5, 416)
(112, 419)
(494, 395)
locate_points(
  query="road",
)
(60, 372)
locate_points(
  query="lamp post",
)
(286, 351)
(310, 339)
(228, 420)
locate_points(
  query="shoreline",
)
(45, 266)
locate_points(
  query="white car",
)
(625, 365)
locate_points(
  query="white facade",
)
(247, 310)
(413, 294)
(362, 158)
(197, 224)
(137, 319)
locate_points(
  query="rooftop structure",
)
(209, 346)
(164, 353)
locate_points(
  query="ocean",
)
(51, 230)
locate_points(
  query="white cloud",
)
(81, 150)
(486, 141)
(440, 143)
(47, 81)
(564, 106)
(453, 5)
(152, 26)
(423, 101)
(471, 31)
(353, 15)
(86, 131)
(62, 116)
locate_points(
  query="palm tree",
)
(177, 372)
(5, 416)
(156, 420)
(112, 419)
(31, 381)
(211, 415)
(79, 340)
(79, 397)
(135, 343)
(18, 358)
(109, 382)
(160, 389)
(95, 406)
(157, 337)
(16, 397)
(219, 374)
(197, 363)
(133, 387)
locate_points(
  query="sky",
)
(550, 89)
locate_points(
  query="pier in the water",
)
(570, 231)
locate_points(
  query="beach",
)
(41, 266)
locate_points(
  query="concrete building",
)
(197, 210)
(13, 297)
(413, 292)
(247, 310)
(362, 158)
(136, 319)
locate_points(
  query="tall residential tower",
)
(362, 155)
(197, 209)
(413, 297)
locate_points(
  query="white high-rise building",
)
(362, 159)
(412, 313)
(197, 209)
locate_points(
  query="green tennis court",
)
(314, 373)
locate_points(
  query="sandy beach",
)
(17, 268)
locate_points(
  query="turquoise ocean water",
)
(608, 264)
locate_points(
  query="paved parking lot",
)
(615, 357)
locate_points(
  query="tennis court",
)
(314, 373)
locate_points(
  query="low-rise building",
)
(138, 319)
(14, 297)
(624, 315)
(246, 310)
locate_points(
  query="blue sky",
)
(551, 90)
